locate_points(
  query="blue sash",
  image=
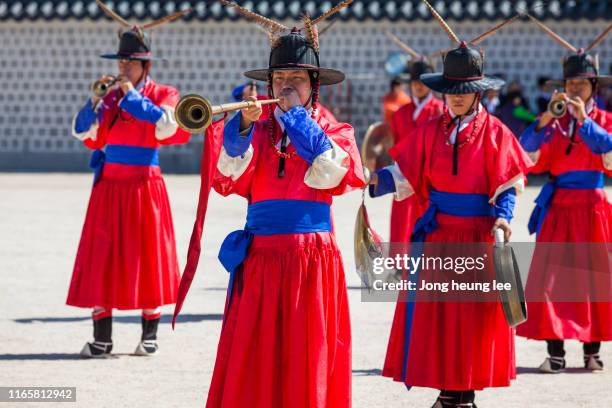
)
(121, 154)
(577, 180)
(272, 217)
(460, 205)
(457, 204)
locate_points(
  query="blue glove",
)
(305, 134)
(234, 143)
(531, 140)
(85, 118)
(504, 204)
(595, 137)
(385, 184)
(141, 107)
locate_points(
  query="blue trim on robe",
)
(86, 118)
(457, 204)
(385, 185)
(505, 203)
(234, 143)
(595, 137)
(532, 140)
(141, 107)
(272, 217)
(122, 154)
(305, 133)
(576, 180)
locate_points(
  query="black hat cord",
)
(145, 74)
(459, 120)
(311, 98)
(574, 125)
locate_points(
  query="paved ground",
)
(40, 222)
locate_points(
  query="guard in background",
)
(572, 142)
(423, 106)
(127, 254)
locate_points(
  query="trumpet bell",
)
(557, 108)
(100, 88)
(193, 113)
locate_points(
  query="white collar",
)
(420, 105)
(590, 105)
(465, 121)
(140, 86)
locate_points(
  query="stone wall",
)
(46, 69)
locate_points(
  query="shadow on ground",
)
(535, 370)
(167, 318)
(363, 373)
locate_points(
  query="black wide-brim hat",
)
(294, 52)
(133, 45)
(415, 69)
(463, 74)
(580, 66)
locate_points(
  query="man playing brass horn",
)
(570, 296)
(286, 318)
(127, 254)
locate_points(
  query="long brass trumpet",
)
(100, 88)
(194, 113)
(557, 108)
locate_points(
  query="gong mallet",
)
(194, 113)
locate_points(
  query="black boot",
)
(148, 342)
(103, 343)
(556, 362)
(455, 399)
(592, 361)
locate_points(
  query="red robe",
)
(326, 113)
(405, 213)
(574, 216)
(286, 340)
(127, 254)
(466, 345)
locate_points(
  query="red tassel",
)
(213, 140)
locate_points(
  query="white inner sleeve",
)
(166, 126)
(518, 182)
(328, 169)
(607, 160)
(403, 189)
(534, 156)
(92, 132)
(234, 167)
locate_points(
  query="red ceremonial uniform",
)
(465, 345)
(286, 340)
(127, 254)
(575, 215)
(326, 113)
(403, 123)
